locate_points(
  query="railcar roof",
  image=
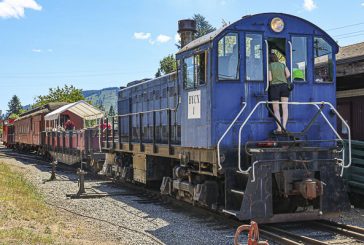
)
(80, 108)
(210, 36)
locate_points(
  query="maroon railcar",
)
(29, 125)
(80, 144)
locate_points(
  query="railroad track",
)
(320, 232)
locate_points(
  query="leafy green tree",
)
(202, 25)
(166, 65)
(15, 105)
(111, 111)
(67, 94)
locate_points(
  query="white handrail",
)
(315, 104)
(226, 131)
(291, 62)
(267, 63)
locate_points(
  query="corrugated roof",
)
(351, 51)
(80, 108)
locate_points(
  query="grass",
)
(24, 216)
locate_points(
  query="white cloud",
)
(309, 5)
(142, 35)
(16, 8)
(362, 4)
(163, 38)
(36, 50)
(177, 38)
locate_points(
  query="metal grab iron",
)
(253, 234)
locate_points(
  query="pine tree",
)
(111, 111)
(14, 106)
(202, 25)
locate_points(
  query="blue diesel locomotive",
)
(204, 133)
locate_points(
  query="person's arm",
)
(288, 74)
(270, 76)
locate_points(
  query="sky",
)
(93, 44)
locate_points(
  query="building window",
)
(324, 67)
(254, 57)
(299, 58)
(194, 70)
(228, 57)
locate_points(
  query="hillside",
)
(106, 97)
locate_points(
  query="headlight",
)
(277, 24)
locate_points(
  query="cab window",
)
(228, 57)
(324, 67)
(299, 58)
(194, 70)
(254, 57)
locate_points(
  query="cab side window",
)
(324, 67)
(254, 57)
(194, 70)
(299, 58)
(228, 57)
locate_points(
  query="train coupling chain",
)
(253, 234)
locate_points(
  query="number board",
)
(194, 104)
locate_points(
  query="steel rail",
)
(341, 229)
(297, 238)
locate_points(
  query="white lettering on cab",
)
(194, 104)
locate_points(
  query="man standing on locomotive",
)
(278, 75)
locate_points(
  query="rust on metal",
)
(253, 234)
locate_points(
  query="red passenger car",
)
(29, 125)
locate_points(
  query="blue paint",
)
(221, 100)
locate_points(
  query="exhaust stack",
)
(186, 30)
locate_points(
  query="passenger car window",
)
(324, 67)
(194, 70)
(228, 57)
(299, 58)
(254, 57)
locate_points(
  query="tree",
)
(166, 66)
(202, 25)
(67, 94)
(15, 105)
(168, 63)
(111, 111)
(101, 106)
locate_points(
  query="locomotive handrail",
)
(315, 104)
(145, 112)
(226, 131)
(267, 63)
(291, 62)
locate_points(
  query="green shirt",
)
(278, 72)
